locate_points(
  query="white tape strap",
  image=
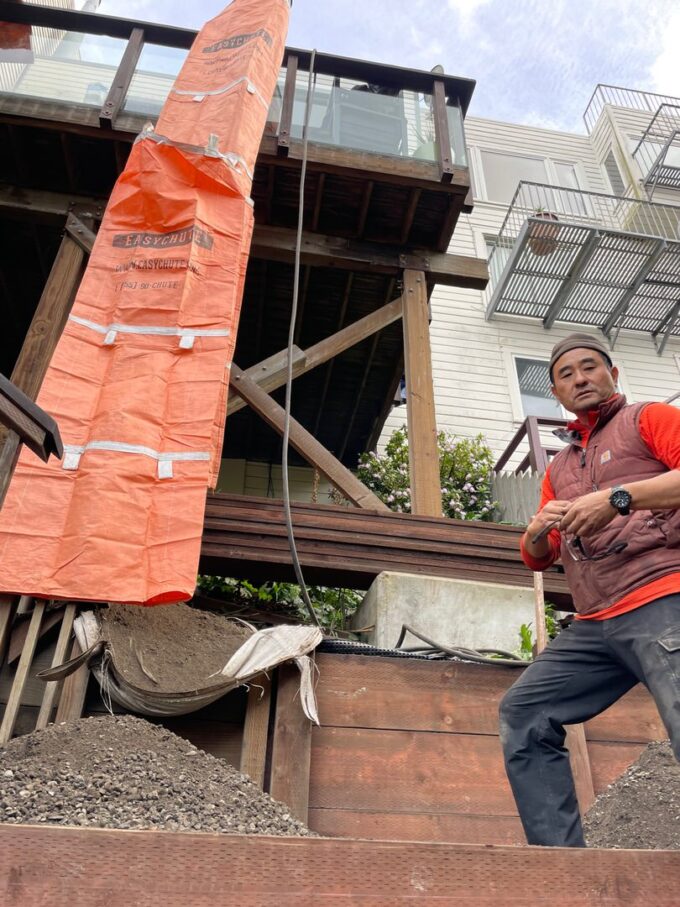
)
(165, 459)
(251, 88)
(187, 335)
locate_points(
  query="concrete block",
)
(451, 611)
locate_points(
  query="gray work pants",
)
(584, 670)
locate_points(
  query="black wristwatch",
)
(621, 500)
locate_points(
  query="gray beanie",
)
(576, 341)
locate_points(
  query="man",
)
(610, 508)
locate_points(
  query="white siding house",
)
(475, 358)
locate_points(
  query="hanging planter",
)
(543, 237)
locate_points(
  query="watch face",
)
(620, 498)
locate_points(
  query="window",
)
(533, 378)
(614, 174)
(503, 172)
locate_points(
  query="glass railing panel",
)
(457, 137)
(155, 74)
(55, 65)
(360, 116)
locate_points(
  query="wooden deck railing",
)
(538, 456)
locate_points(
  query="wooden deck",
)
(341, 546)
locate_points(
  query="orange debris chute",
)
(139, 379)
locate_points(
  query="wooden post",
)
(72, 699)
(7, 610)
(426, 498)
(43, 334)
(537, 456)
(21, 676)
(286, 121)
(292, 745)
(51, 688)
(256, 730)
(121, 80)
(441, 129)
(576, 735)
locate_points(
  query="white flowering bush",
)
(465, 466)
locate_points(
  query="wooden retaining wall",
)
(409, 750)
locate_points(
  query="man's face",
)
(582, 380)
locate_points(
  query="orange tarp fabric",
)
(139, 379)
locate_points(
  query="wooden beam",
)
(426, 495)
(256, 730)
(43, 334)
(278, 244)
(121, 80)
(74, 690)
(363, 211)
(52, 687)
(271, 373)
(286, 121)
(292, 745)
(321, 409)
(8, 604)
(318, 201)
(304, 443)
(80, 233)
(409, 215)
(14, 701)
(441, 129)
(45, 206)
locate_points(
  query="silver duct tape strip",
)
(231, 158)
(165, 459)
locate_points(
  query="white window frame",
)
(475, 155)
(510, 355)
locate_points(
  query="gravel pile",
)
(123, 772)
(642, 808)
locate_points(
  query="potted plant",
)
(543, 237)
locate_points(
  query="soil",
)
(170, 648)
(642, 808)
(124, 772)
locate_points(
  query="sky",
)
(536, 62)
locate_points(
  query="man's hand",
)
(551, 514)
(588, 514)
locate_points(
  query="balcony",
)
(658, 151)
(629, 98)
(589, 259)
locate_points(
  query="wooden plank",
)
(395, 694)
(8, 604)
(60, 651)
(43, 334)
(407, 771)
(423, 453)
(256, 730)
(318, 250)
(21, 629)
(122, 79)
(409, 215)
(123, 867)
(73, 692)
(404, 826)
(291, 745)
(21, 676)
(43, 205)
(304, 443)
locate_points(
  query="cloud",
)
(665, 70)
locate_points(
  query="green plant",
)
(465, 466)
(332, 606)
(526, 638)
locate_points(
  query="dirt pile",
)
(642, 808)
(174, 648)
(123, 772)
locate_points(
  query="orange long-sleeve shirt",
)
(660, 430)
